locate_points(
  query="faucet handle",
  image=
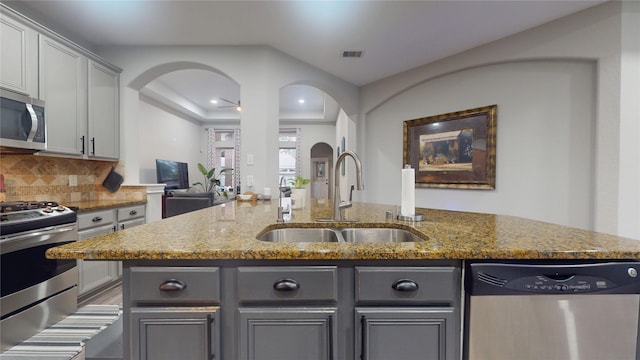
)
(351, 193)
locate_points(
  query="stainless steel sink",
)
(301, 235)
(378, 235)
(350, 235)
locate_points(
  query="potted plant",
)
(211, 179)
(299, 191)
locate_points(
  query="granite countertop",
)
(90, 205)
(229, 232)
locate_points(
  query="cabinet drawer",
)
(288, 284)
(131, 212)
(175, 285)
(96, 218)
(425, 285)
(96, 231)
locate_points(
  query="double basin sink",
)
(348, 235)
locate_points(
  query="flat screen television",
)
(173, 173)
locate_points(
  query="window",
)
(289, 154)
(223, 152)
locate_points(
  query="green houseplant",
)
(299, 182)
(211, 180)
(299, 191)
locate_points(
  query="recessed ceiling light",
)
(301, 101)
(214, 101)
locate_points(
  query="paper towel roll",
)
(408, 201)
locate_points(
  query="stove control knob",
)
(632, 272)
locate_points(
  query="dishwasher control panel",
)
(521, 278)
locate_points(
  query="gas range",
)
(20, 216)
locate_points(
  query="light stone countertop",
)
(228, 232)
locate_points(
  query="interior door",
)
(320, 178)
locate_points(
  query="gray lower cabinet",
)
(174, 313)
(408, 313)
(279, 310)
(287, 333)
(95, 275)
(404, 333)
(175, 333)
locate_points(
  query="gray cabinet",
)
(288, 310)
(19, 49)
(404, 333)
(176, 333)
(175, 313)
(407, 313)
(103, 104)
(96, 274)
(288, 333)
(272, 323)
(63, 87)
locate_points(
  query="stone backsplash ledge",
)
(40, 178)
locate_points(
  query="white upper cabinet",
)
(63, 87)
(103, 121)
(19, 49)
(80, 90)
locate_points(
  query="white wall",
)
(603, 34)
(260, 72)
(544, 140)
(166, 135)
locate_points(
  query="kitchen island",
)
(201, 286)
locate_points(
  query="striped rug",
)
(65, 340)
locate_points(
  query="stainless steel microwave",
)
(22, 123)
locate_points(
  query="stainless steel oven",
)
(22, 123)
(36, 292)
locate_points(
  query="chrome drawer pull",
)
(173, 285)
(286, 285)
(96, 219)
(133, 212)
(405, 285)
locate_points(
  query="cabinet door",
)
(103, 120)
(94, 274)
(405, 333)
(185, 333)
(63, 82)
(19, 49)
(287, 333)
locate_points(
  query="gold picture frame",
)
(455, 150)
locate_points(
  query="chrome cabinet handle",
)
(173, 285)
(286, 285)
(96, 219)
(93, 146)
(405, 285)
(82, 139)
(133, 212)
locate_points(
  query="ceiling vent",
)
(351, 54)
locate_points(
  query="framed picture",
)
(454, 150)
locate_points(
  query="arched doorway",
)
(321, 171)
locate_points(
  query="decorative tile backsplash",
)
(39, 178)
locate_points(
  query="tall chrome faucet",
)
(338, 204)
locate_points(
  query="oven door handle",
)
(49, 235)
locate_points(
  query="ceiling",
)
(394, 36)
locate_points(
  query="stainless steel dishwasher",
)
(522, 311)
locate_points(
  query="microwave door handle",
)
(34, 123)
